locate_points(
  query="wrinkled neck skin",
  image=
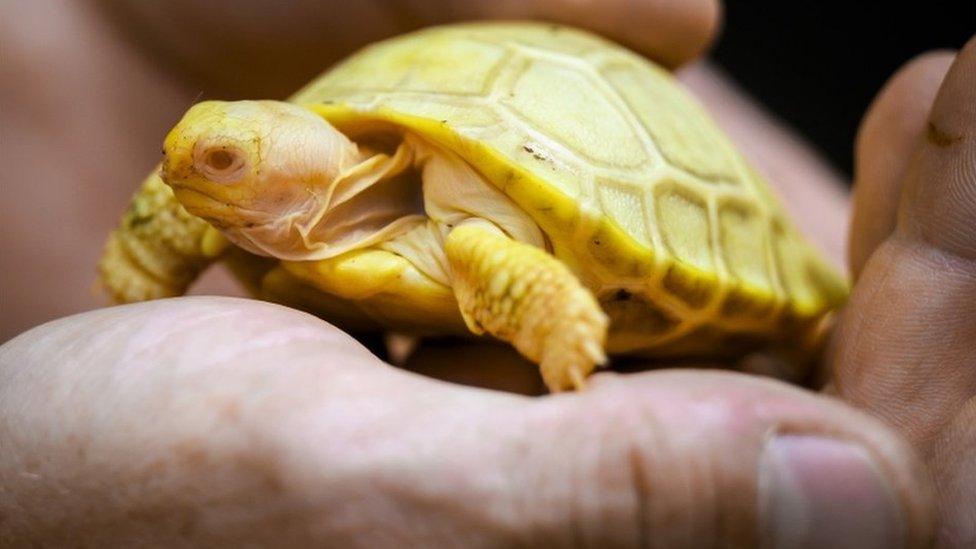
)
(353, 208)
(301, 176)
(405, 203)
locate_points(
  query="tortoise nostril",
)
(219, 160)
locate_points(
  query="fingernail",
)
(820, 492)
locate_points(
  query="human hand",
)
(217, 436)
(220, 421)
(905, 350)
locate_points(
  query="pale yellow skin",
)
(647, 221)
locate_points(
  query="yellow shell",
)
(637, 190)
(632, 182)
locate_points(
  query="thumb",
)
(695, 459)
(221, 422)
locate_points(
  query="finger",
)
(255, 48)
(209, 421)
(940, 201)
(905, 347)
(214, 421)
(812, 192)
(891, 131)
(672, 32)
(693, 458)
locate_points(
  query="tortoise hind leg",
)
(522, 295)
(158, 249)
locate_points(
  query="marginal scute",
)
(789, 253)
(827, 284)
(741, 304)
(612, 255)
(694, 291)
(638, 315)
(625, 206)
(683, 221)
(743, 233)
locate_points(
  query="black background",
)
(819, 64)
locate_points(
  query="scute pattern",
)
(625, 205)
(680, 129)
(743, 239)
(568, 115)
(615, 134)
(684, 224)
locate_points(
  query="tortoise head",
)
(244, 164)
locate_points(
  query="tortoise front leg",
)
(522, 295)
(158, 248)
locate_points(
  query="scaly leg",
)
(158, 248)
(522, 295)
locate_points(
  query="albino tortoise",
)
(530, 181)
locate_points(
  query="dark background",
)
(791, 55)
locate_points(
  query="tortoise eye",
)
(219, 160)
(222, 164)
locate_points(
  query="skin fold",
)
(216, 421)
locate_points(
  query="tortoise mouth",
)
(219, 213)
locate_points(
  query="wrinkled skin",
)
(209, 421)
